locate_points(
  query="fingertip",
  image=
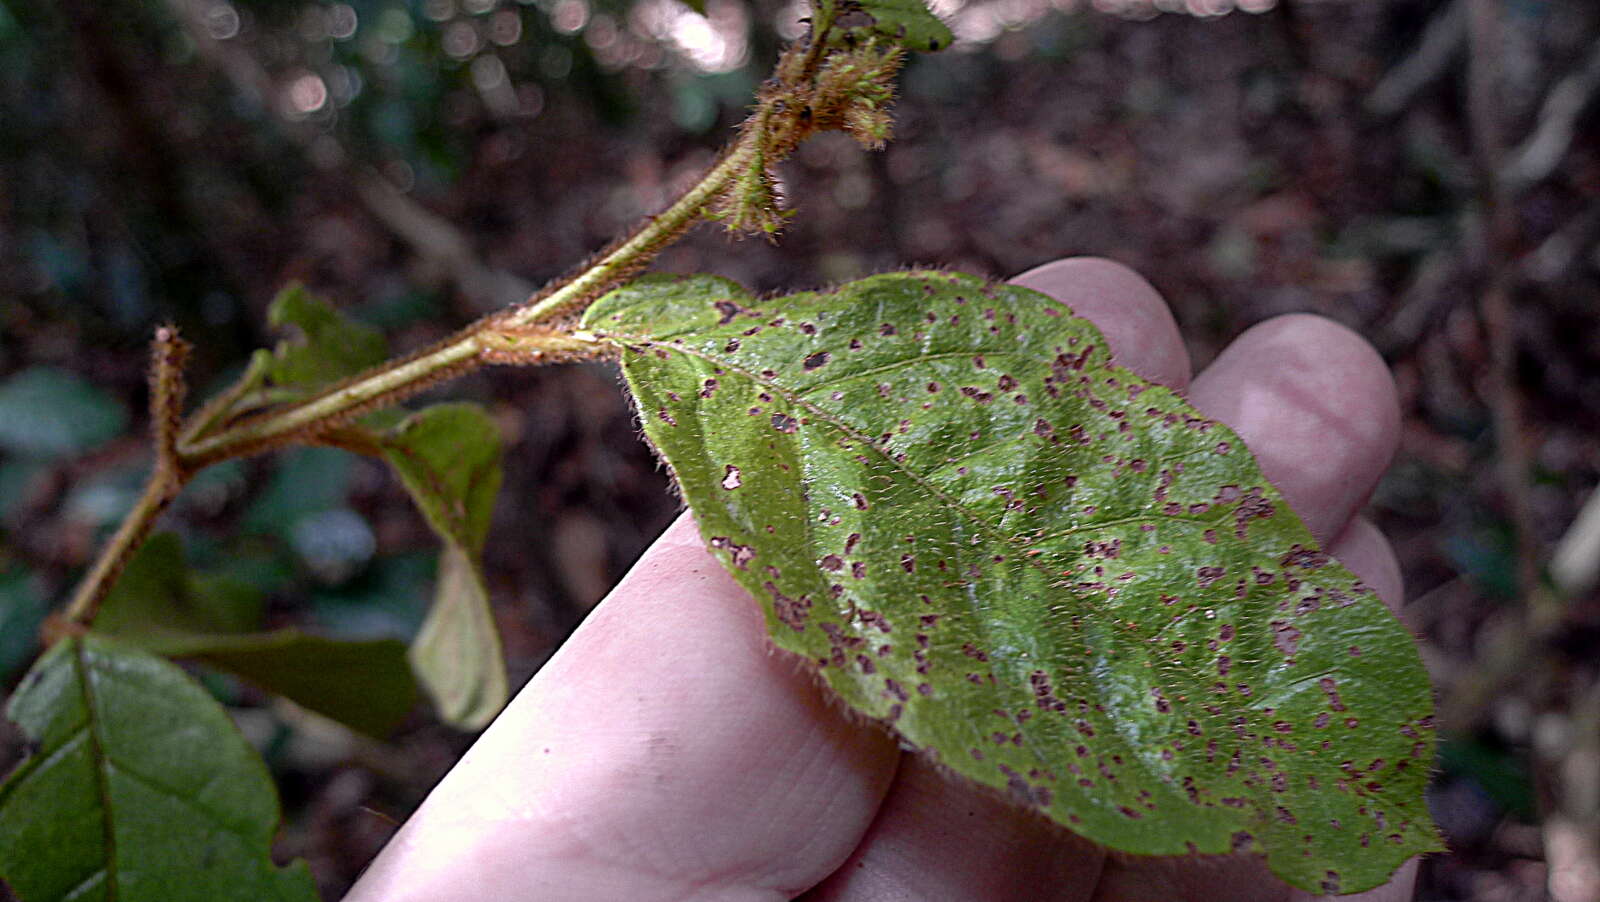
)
(1132, 315)
(1366, 552)
(1316, 405)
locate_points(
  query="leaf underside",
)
(1049, 575)
(448, 457)
(139, 790)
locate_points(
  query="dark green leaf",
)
(364, 684)
(1053, 577)
(162, 607)
(47, 412)
(329, 347)
(22, 612)
(158, 599)
(448, 457)
(140, 789)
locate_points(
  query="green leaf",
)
(1054, 578)
(330, 347)
(161, 606)
(448, 457)
(158, 598)
(907, 22)
(140, 789)
(48, 412)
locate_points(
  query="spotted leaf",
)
(1052, 577)
(907, 22)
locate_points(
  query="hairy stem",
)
(540, 330)
(159, 491)
(640, 247)
(482, 341)
(518, 336)
(167, 389)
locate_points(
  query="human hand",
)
(667, 752)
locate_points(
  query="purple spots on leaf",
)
(740, 555)
(791, 612)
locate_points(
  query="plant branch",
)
(540, 330)
(631, 253)
(167, 389)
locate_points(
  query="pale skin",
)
(668, 753)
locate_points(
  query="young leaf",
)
(328, 348)
(140, 788)
(161, 606)
(908, 22)
(1051, 576)
(448, 457)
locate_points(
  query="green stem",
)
(387, 381)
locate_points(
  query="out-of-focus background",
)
(1425, 171)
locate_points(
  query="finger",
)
(1315, 404)
(1134, 319)
(924, 844)
(1364, 549)
(937, 838)
(664, 753)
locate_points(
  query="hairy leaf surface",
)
(140, 788)
(1051, 576)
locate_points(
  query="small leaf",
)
(909, 23)
(448, 457)
(140, 788)
(329, 347)
(47, 412)
(158, 597)
(364, 684)
(162, 607)
(1053, 577)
